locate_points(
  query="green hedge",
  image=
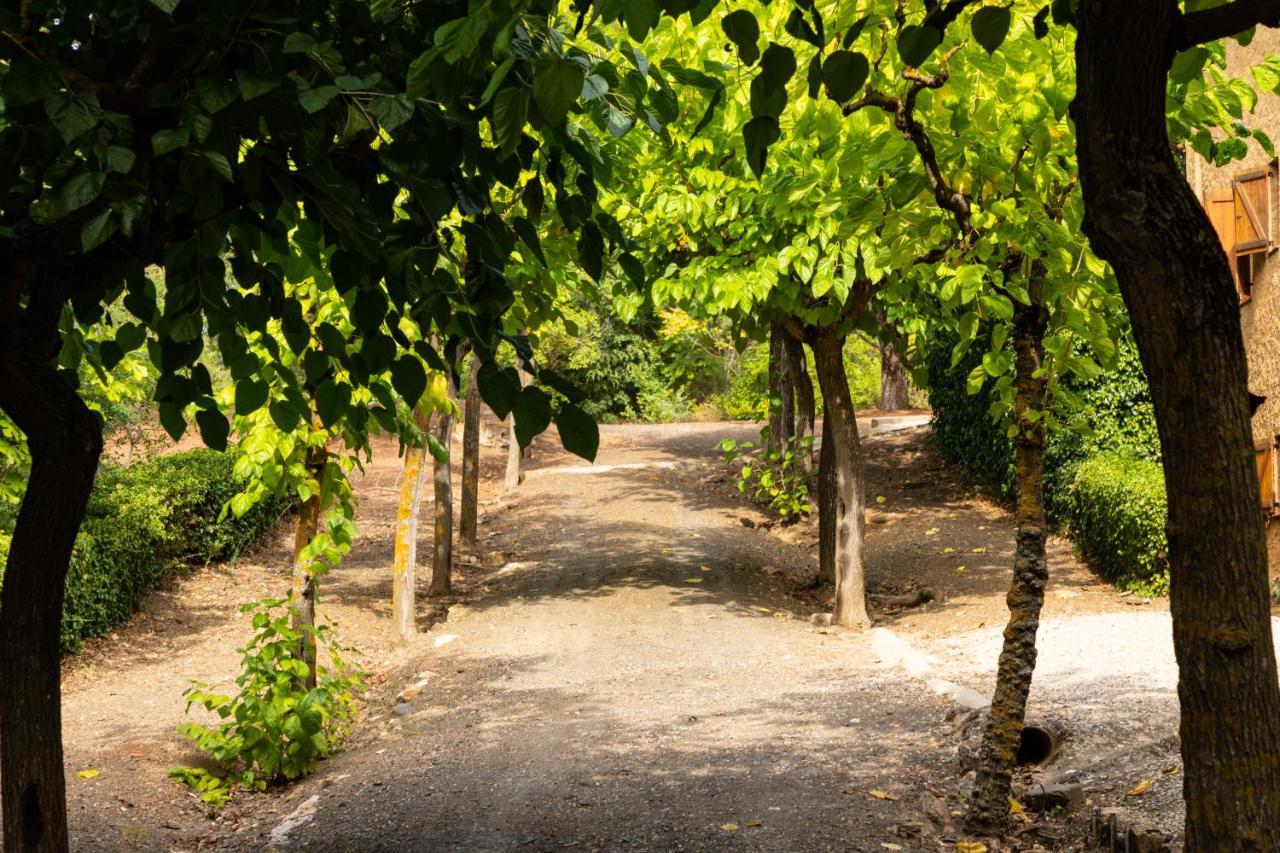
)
(1116, 407)
(1118, 514)
(143, 522)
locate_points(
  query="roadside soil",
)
(630, 662)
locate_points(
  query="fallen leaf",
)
(948, 550)
(970, 847)
(705, 568)
(693, 580)
(88, 774)
(881, 499)
(889, 845)
(932, 531)
(883, 795)
(1170, 771)
(1015, 807)
(1141, 788)
(729, 827)
(752, 824)
(980, 549)
(959, 570)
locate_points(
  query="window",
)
(1243, 216)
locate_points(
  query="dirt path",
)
(642, 674)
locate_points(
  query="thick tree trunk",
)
(782, 412)
(305, 576)
(997, 755)
(469, 523)
(442, 553)
(827, 502)
(1143, 218)
(841, 428)
(404, 575)
(893, 379)
(805, 409)
(65, 441)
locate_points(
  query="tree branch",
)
(1223, 21)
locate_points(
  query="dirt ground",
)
(642, 673)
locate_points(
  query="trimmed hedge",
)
(143, 522)
(1118, 512)
(1121, 437)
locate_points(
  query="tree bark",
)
(827, 501)
(989, 809)
(405, 567)
(782, 417)
(515, 455)
(805, 408)
(469, 523)
(1142, 217)
(65, 441)
(305, 577)
(840, 428)
(893, 379)
(442, 553)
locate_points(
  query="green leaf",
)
(73, 115)
(510, 110)
(529, 235)
(80, 190)
(97, 230)
(557, 83)
(915, 44)
(117, 158)
(251, 395)
(332, 401)
(409, 379)
(172, 419)
(843, 74)
(633, 269)
(166, 6)
(165, 141)
(591, 251)
(758, 134)
(499, 387)
(990, 26)
(743, 30)
(391, 111)
(710, 112)
(578, 432)
(214, 428)
(533, 414)
(284, 416)
(252, 86)
(314, 100)
(1189, 65)
(219, 163)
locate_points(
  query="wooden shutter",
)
(1265, 459)
(1221, 207)
(1252, 200)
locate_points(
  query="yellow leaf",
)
(881, 499)
(959, 570)
(932, 531)
(1015, 807)
(729, 827)
(88, 774)
(970, 847)
(1170, 771)
(980, 550)
(693, 580)
(705, 568)
(884, 795)
(752, 824)
(948, 550)
(1141, 788)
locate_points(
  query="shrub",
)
(1118, 514)
(143, 522)
(274, 729)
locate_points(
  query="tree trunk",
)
(1141, 216)
(989, 810)
(805, 414)
(893, 379)
(442, 553)
(65, 441)
(515, 455)
(841, 428)
(827, 500)
(469, 524)
(405, 567)
(305, 577)
(782, 413)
